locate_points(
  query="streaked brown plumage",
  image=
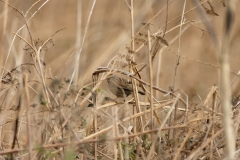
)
(120, 87)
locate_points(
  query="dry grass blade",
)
(29, 133)
(225, 80)
(60, 93)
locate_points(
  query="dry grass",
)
(55, 58)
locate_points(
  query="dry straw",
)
(43, 116)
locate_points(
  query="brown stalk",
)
(28, 118)
(115, 134)
(225, 87)
(151, 81)
(95, 102)
(136, 107)
(214, 104)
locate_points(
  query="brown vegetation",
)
(56, 57)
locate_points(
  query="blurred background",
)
(108, 34)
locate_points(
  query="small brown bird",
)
(120, 87)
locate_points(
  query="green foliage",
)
(131, 148)
(45, 153)
(102, 138)
(146, 142)
(69, 155)
(43, 102)
(102, 91)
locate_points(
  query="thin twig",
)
(179, 46)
